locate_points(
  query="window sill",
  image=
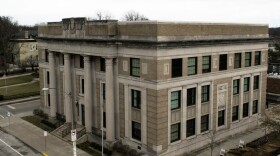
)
(204, 132)
(221, 127)
(234, 122)
(191, 137)
(81, 94)
(175, 142)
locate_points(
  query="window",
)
(46, 55)
(48, 77)
(257, 58)
(237, 60)
(49, 100)
(176, 68)
(204, 123)
(191, 96)
(136, 130)
(81, 61)
(136, 98)
(235, 113)
(235, 86)
(256, 82)
(135, 67)
(78, 109)
(223, 62)
(102, 64)
(245, 110)
(175, 99)
(190, 127)
(62, 59)
(246, 84)
(82, 87)
(205, 91)
(104, 119)
(221, 118)
(175, 132)
(255, 106)
(206, 64)
(103, 92)
(247, 59)
(192, 65)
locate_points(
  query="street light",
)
(73, 122)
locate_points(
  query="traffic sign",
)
(73, 135)
(8, 114)
(45, 133)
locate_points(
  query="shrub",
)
(48, 123)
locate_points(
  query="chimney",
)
(26, 35)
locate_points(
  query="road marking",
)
(11, 107)
(2, 116)
(11, 147)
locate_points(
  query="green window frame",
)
(237, 60)
(204, 123)
(205, 93)
(175, 100)
(248, 59)
(206, 64)
(136, 130)
(136, 98)
(175, 132)
(246, 84)
(236, 86)
(257, 58)
(192, 66)
(135, 67)
(235, 113)
(191, 96)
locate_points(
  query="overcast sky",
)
(30, 12)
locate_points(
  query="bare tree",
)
(103, 15)
(212, 137)
(271, 119)
(8, 30)
(134, 16)
(32, 62)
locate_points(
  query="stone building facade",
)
(160, 87)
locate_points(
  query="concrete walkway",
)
(233, 142)
(7, 77)
(34, 137)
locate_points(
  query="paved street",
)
(10, 145)
(19, 108)
(29, 134)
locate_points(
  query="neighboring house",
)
(25, 50)
(160, 87)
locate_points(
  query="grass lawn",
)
(86, 147)
(28, 88)
(35, 120)
(16, 80)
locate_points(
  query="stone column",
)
(88, 93)
(53, 86)
(110, 119)
(241, 92)
(198, 110)
(67, 88)
(116, 99)
(93, 68)
(251, 95)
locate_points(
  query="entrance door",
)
(83, 114)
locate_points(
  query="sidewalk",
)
(34, 137)
(233, 142)
(1, 78)
(2, 103)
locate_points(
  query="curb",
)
(19, 100)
